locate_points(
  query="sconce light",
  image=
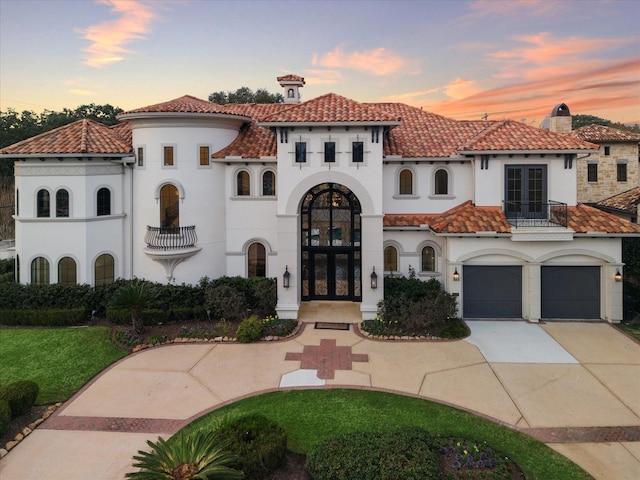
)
(286, 277)
(618, 276)
(374, 279)
(456, 275)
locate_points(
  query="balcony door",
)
(330, 244)
(526, 191)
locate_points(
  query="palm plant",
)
(134, 296)
(198, 456)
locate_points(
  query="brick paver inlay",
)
(113, 424)
(326, 358)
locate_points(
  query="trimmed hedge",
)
(5, 416)
(261, 444)
(44, 318)
(405, 454)
(20, 396)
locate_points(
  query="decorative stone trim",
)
(270, 338)
(28, 429)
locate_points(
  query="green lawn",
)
(632, 329)
(59, 360)
(310, 416)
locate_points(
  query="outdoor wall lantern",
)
(374, 279)
(286, 277)
(456, 275)
(618, 276)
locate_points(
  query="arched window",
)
(406, 182)
(290, 93)
(441, 182)
(390, 259)
(67, 271)
(268, 183)
(428, 259)
(104, 270)
(44, 201)
(62, 203)
(243, 185)
(169, 208)
(40, 271)
(103, 201)
(257, 259)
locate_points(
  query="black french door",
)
(330, 247)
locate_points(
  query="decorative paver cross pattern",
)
(326, 358)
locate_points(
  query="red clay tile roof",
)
(423, 134)
(252, 142)
(467, 218)
(290, 78)
(184, 104)
(625, 202)
(331, 108)
(82, 136)
(407, 219)
(516, 136)
(586, 219)
(600, 133)
(123, 130)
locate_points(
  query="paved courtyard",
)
(572, 385)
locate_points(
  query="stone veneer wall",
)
(607, 184)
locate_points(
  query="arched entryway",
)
(330, 244)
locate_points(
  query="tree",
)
(578, 121)
(246, 95)
(135, 296)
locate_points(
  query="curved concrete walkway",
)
(575, 386)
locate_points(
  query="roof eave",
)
(36, 156)
(146, 115)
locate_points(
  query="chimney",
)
(292, 85)
(560, 120)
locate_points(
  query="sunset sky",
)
(508, 59)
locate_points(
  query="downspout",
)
(129, 162)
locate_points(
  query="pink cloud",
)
(110, 38)
(379, 61)
(321, 77)
(600, 87)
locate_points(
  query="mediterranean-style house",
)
(328, 196)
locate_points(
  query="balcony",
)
(538, 222)
(171, 246)
(171, 238)
(536, 214)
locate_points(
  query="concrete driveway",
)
(573, 385)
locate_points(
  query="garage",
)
(570, 292)
(492, 291)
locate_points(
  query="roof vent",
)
(560, 110)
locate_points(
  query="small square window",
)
(357, 152)
(607, 150)
(621, 172)
(204, 156)
(329, 152)
(168, 156)
(141, 156)
(592, 172)
(301, 152)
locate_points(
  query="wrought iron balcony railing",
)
(536, 214)
(171, 238)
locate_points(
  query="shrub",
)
(260, 443)
(266, 296)
(405, 454)
(44, 318)
(455, 328)
(20, 396)
(5, 416)
(226, 302)
(200, 455)
(278, 327)
(250, 330)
